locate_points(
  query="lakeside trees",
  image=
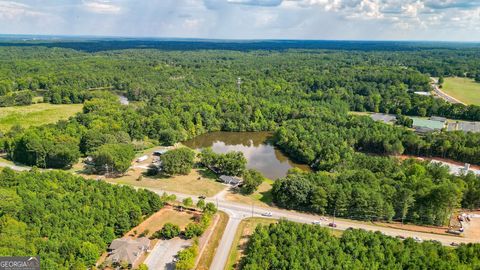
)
(289, 245)
(178, 161)
(232, 163)
(251, 180)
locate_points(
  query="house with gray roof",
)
(127, 250)
(231, 180)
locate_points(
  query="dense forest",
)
(181, 94)
(304, 95)
(378, 188)
(66, 219)
(294, 246)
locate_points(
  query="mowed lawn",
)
(36, 114)
(464, 89)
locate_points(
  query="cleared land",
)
(463, 89)
(156, 221)
(262, 197)
(197, 182)
(36, 114)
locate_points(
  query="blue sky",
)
(457, 20)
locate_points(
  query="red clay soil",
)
(403, 157)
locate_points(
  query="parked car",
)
(267, 214)
(333, 225)
(418, 239)
(453, 244)
(316, 222)
(203, 197)
(400, 237)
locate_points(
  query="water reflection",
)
(260, 154)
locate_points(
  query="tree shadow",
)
(207, 173)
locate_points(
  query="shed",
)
(231, 180)
(142, 158)
(160, 152)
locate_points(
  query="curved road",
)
(237, 212)
(442, 94)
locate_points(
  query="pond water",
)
(261, 155)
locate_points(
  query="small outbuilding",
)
(142, 158)
(160, 152)
(231, 180)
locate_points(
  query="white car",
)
(316, 222)
(416, 238)
(267, 214)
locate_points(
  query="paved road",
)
(223, 250)
(238, 212)
(443, 95)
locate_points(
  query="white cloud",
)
(102, 7)
(10, 10)
(302, 19)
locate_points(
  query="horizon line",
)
(227, 39)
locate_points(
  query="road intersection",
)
(237, 212)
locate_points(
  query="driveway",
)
(162, 255)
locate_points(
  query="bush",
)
(186, 258)
(188, 202)
(193, 230)
(168, 231)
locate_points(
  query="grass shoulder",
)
(211, 246)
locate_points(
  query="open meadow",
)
(36, 114)
(464, 89)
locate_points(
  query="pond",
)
(261, 155)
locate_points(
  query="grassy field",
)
(196, 183)
(36, 114)
(209, 252)
(261, 197)
(156, 221)
(463, 89)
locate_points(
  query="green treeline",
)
(292, 246)
(328, 139)
(66, 219)
(366, 80)
(377, 188)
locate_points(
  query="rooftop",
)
(427, 123)
(128, 249)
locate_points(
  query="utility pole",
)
(252, 209)
(239, 83)
(106, 169)
(334, 212)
